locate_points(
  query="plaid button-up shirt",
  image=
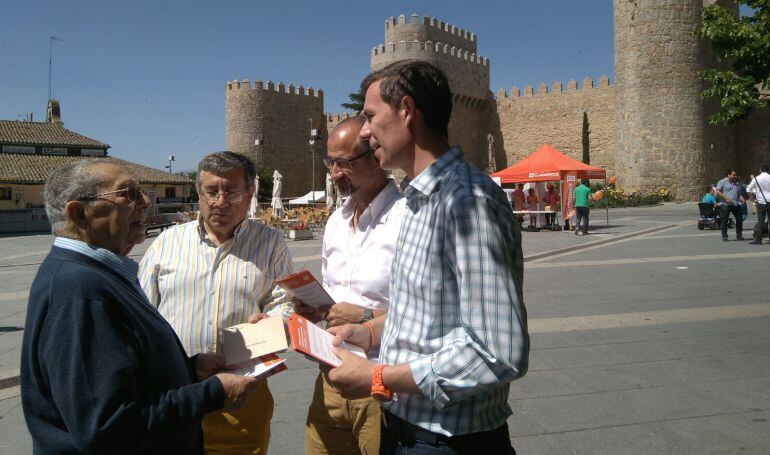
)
(457, 315)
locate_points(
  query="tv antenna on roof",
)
(51, 39)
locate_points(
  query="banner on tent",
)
(568, 195)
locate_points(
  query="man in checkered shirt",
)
(456, 332)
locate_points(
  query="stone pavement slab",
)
(648, 336)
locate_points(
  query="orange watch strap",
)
(380, 391)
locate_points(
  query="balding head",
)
(354, 168)
(345, 135)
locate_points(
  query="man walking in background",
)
(760, 186)
(582, 200)
(729, 190)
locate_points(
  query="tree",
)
(193, 188)
(265, 192)
(356, 103)
(744, 42)
(586, 142)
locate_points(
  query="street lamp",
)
(314, 135)
(258, 143)
(170, 159)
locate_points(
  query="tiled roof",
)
(43, 133)
(34, 169)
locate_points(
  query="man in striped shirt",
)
(455, 334)
(216, 272)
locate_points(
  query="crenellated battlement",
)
(269, 86)
(555, 88)
(333, 119)
(427, 28)
(429, 48)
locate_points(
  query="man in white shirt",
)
(358, 248)
(760, 186)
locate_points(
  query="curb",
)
(596, 243)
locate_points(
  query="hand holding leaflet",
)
(304, 286)
(249, 349)
(316, 342)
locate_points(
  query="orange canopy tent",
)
(547, 164)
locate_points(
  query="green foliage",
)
(586, 140)
(745, 43)
(356, 103)
(193, 188)
(265, 193)
(618, 198)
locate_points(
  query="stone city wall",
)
(753, 144)
(555, 116)
(279, 116)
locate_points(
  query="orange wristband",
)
(380, 391)
(370, 326)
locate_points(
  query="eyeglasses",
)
(133, 194)
(230, 196)
(342, 163)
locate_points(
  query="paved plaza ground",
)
(648, 337)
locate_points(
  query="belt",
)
(408, 433)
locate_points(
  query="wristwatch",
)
(380, 391)
(367, 316)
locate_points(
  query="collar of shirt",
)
(126, 267)
(373, 211)
(204, 236)
(428, 180)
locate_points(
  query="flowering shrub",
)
(617, 198)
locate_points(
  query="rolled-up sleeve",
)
(490, 346)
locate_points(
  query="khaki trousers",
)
(336, 425)
(244, 430)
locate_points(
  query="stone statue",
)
(491, 150)
(330, 192)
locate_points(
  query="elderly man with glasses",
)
(219, 271)
(101, 371)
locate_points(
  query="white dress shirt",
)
(761, 181)
(355, 263)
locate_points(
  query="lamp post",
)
(258, 142)
(170, 159)
(314, 134)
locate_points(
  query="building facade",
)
(30, 151)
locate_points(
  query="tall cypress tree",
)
(586, 141)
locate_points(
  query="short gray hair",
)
(219, 163)
(70, 182)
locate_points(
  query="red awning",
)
(546, 164)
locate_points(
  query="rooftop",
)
(44, 133)
(34, 169)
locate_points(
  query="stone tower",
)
(279, 118)
(662, 135)
(454, 51)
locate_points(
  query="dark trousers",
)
(582, 213)
(401, 437)
(724, 215)
(762, 212)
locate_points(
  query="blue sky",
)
(148, 77)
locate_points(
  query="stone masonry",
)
(650, 128)
(280, 117)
